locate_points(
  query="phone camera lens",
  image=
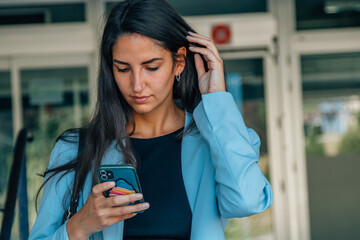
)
(104, 177)
(103, 174)
(106, 174)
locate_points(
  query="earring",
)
(178, 77)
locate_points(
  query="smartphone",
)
(125, 178)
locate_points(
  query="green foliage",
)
(350, 143)
(249, 227)
(313, 147)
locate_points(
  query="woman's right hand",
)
(100, 212)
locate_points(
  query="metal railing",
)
(17, 189)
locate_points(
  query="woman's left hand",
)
(213, 80)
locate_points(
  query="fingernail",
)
(138, 196)
(110, 184)
(145, 205)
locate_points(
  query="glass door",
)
(331, 123)
(245, 79)
(47, 94)
(54, 100)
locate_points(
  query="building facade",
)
(292, 66)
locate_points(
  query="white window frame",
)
(16, 64)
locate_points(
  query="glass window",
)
(245, 81)
(318, 14)
(42, 13)
(54, 100)
(212, 7)
(331, 106)
(6, 135)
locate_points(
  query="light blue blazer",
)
(219, 167)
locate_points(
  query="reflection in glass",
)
(211, 7)
(331, 86)
(42, 13)
(245, 81)
(332, 125)
(321, 14)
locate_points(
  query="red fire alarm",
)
(221, 34)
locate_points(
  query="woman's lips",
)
(140, 99)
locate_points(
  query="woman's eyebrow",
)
(120, 62)
(151, 60)
(143, 63)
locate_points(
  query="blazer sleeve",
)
(48, 224)
(241, 188)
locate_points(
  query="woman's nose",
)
(138, 82)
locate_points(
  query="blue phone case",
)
(123, 175)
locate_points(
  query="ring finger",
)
(123, 210)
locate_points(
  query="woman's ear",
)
(180, 60)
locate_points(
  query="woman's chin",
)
(142, 109)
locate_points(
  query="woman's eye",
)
(153, 69)
(122, 70)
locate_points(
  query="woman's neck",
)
(158, 122)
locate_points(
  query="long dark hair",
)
(152, 18)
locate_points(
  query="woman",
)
(196, 160)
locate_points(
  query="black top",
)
(169, 215)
